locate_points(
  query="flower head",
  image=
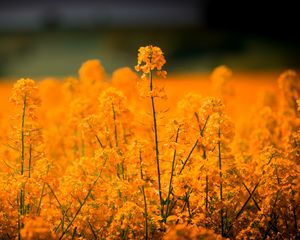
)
(221, 74)
(221, 81)
(124, 79)
(288, 83)
(25, 88)
(91, 71)
(151, 58)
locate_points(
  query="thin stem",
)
(38, 211)
(74, 233)
(23, 137)
(295, 222)
(221, 180)
(205, 158)
(61, 224)
(198, 120)
(144, 198)
(188, 157)
(29, 161)
(156, 147)
(206, 194)
(92, 229)
(202, 129)
(250, 195)
(255, 202)
(60, 206)
(98, 139)
(171, 177)
(244, 205)
(19, 216)
(146, 212)
(273, 218)
(188, 207)
(21, 203)
(115, 124)
(187, 201)
(141, 165)
(80, 207)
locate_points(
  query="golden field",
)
(140, 156)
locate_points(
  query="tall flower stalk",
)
(156, 144)
(25, 96)
(151, 59)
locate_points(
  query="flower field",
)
(141, 155)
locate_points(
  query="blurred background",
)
(40, 38)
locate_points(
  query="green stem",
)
(201, 131)
(144, 197)
(19, 215)
(29, 161)
(98, 139)
(156, 147)
(188, 157)
(38, 211)
(80, 207)
(187, 201)
(189, 209)
(171, 178)
(92, 229)
(74, 233)
(221, 181)
(60, 205)
(206, 180)
(250, 195)
(107, 137)
(115, 124)
(21, 194)
(61, 223)
(295, 222)
(23, 137)
(244, 205)
(206, 194)
(253, 199)
(146, 213)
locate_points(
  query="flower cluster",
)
(151, 58)
(88, 158)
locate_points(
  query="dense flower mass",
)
(151, 58)
(90, 158)
(25, 89)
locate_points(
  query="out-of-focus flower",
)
(36, 228)
(91, 71)
(190, 232)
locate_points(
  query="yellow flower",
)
(124, 79)
(220, 75)
(36, 228)
(151, 58)
(25, 88)
(92, 71)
